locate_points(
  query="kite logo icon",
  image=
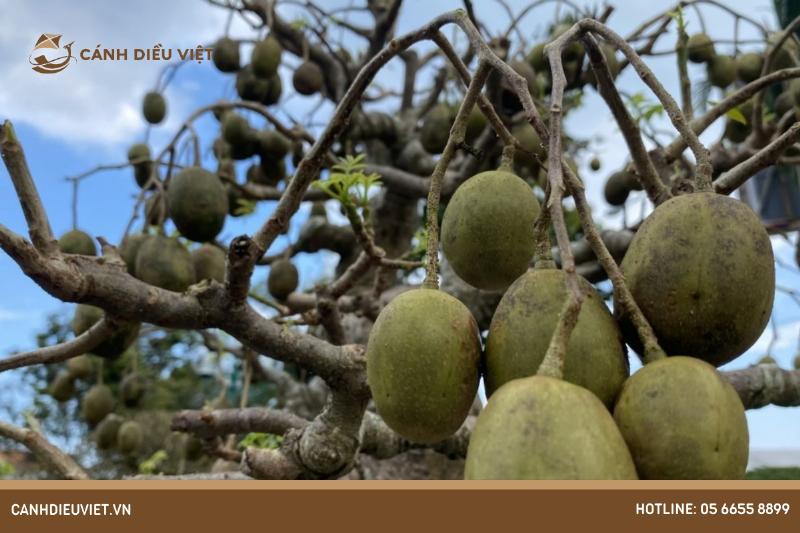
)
(50, 65)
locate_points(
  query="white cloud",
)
(97, 102)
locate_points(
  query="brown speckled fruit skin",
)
(423, 355)
(546, 428)
(524, 322)
(701, 269)
(682, 420)
(487, 229)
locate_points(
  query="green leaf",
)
(737, 115)
(151, 465)
(261, 440)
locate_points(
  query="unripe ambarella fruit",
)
(700, 48)
(487, 229)
(283, 278)
(97, 403)
(77, 242)
(682, 420)
(702, 271)
(154, 107)
(112, 347)
(130, 437)
(209, 262)
(166, 263)
(422, 364)
(524, 322)
(546, 428)
(198, 203)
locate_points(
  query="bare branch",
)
(35, 215)
(762, 385)
(53, 459)
(80, 345)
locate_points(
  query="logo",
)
(47, 62)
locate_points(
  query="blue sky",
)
(89, 115)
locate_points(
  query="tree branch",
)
(80, 345)
(53, 459)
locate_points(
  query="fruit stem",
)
(543, 257)
(456, 138)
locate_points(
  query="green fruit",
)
(80, 367)
(131, 389)
(154, 107)
(130, 248)
(783, 103)
(735, 131)
(197, 203)
(274, 90)
(193, 448)
(700, 48)
(536, 58)
(435, 128)
(97, 403)
(63, 386)
(77, 242)
(308, 78)
(767, 360)
(266, 57)
(618, 186)
(273, 144)
(785, 57)
(282, 279)
(237, 131)
(532, 144)
(267, 173)
(545, 428)
(209, 263)
(574, 50)
(595, 164)
(748, 66)
(524, 322)
(682, 420)
(721, 71)
(87, 316)
(487, 229)
(165, 262)
(251, 87)
(701, 269)
(226, 55)
(139, 157)
(130, 437)
(221, 148)
(422, 364)
(476, 123)
(107, 431)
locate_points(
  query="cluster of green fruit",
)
(259, 80)
(98, 402)
(722, 70)
(573, 60)
(700, 268)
